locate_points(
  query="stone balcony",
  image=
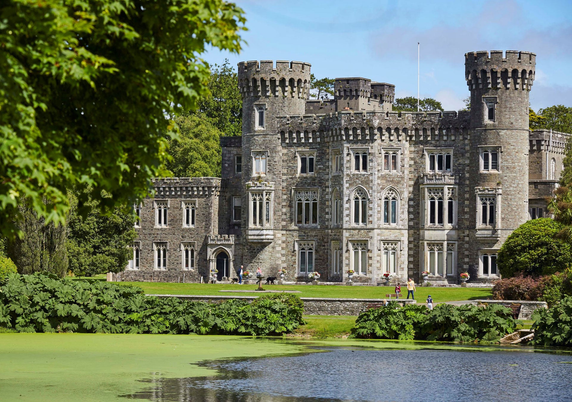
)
(260, 235)
(439, 178)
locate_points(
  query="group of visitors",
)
(411, 292)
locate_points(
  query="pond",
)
(342, 374)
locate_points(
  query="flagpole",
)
(417, 76)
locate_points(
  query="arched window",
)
(390, 211)
(360, 207)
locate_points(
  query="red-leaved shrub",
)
(518, 288)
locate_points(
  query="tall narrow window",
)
(236, 208)
(552, 169)
(306, 163)
(359, 260)
(188, 256)
(189, 213)
(390, 208)
(389, 262)
(435, 206)
(137, 210)
(360, 207)
(238, 163)
(259, 163)
(360, 161)
(450, 259)
(390, 160)
(337, 162)
(306, 207)
(489, 264)
(160, 250)
(305, 257)
(489, 160)
(260, 209)
(161, 208)
(488, 210)
(260, 117)
(435, 263)
(134, 262)
(336, 258)
(337, 210)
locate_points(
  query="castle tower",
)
(499, 89)
(268, 91)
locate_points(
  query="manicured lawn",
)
(327, 291)
(325, 326)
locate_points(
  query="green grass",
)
(326, 326)
(326, 291)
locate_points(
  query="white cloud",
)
(450, 100)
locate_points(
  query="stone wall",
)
(526, 307)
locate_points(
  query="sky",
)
(377, 39)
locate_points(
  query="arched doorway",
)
(222, 266)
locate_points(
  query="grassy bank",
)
(327, 291)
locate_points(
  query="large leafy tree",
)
(87, 88)
(196, 152)
(557, 118)
(534, 249)
(321, 88)
(99, 243)
(409, 104)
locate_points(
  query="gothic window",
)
(236, 208)
(360, 207)
(487, 210)
(450, 263)
(435, 207)
(306, 163)
(305, 257)
(451, 215)
(439, 161)
(261, 209)
(390, 160)
(161, 208)
(488, 264)
(336, 258)
(360, 160)
(337, 209)
(238, 163)
(390, 207)
(189, 213)
(134, 263)
(188, 256)
(160, 251)
(490, 160)
(137, 211)
(307, 207)
(259, 163)
(435, 259)
(389, 262)
(359, 257)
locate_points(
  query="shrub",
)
(44, 303)
(553, 326)
(466, 323)
(7, 267)
(554, 287)
(534, 250)
(517, 288)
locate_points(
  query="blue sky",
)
(377, 39)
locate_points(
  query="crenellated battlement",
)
(264, 78)
(495, 70)
(548, 141)
(370, 126)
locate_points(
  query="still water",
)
(342, 374)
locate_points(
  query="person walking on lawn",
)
(411, 288)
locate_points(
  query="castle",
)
(348, 184)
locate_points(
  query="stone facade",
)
(345, 184)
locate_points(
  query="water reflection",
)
(375, 375)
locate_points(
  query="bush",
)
(466, 323)
(44, 303)
(7, 267)
(533, 250)
(517, 288)
(553, 326)
(555, 287)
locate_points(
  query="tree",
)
(409, 104)
(87, 91)
(557, 118)
(99, 243)
(42, 245)
(322, 88)
(534, 249)
(196, 152)
(223, 105)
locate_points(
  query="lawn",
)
(326, 291)
(325, 326)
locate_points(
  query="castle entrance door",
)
(222, 265)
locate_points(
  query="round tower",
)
(499, 86)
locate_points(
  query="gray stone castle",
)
(346, 184)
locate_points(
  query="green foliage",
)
(222, 107)
(197, 152)
(555, 287)
(322, 88)
(557, 118)
(44, 303)
(7, 267)
(534, 249)
(466, 323)
(553, 326)
(42, 245)
(86, 93)
(409, 104)
(99, 243)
